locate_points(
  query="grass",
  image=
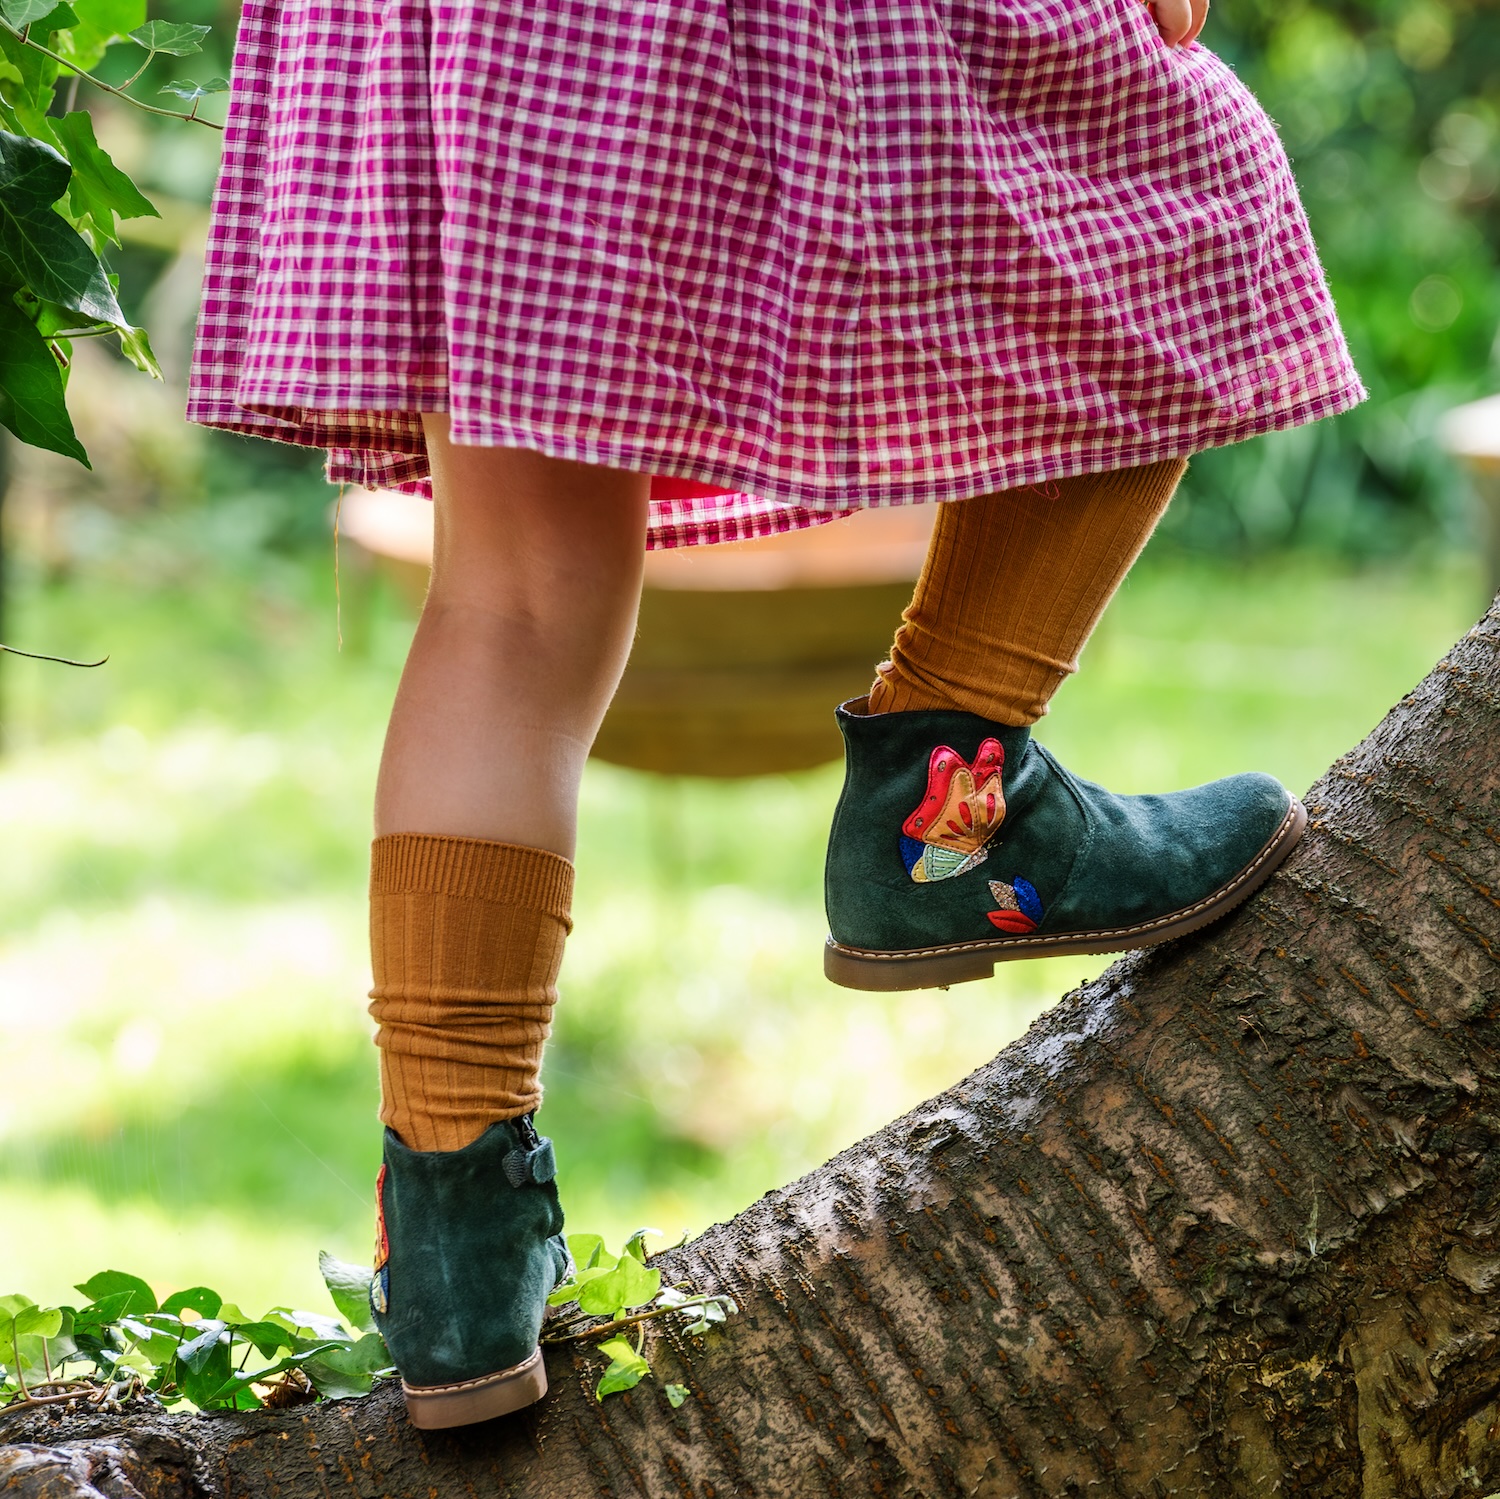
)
(186, 1078)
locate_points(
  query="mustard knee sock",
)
(1013, 586)
(466, 939)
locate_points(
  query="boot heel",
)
(888, 972)
(433, 1407)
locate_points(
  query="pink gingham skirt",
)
(793, 257)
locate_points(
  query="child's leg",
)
(535, 584)
(536, 579)
(1013, 586)
(958, 842)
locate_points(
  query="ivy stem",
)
(605, 1328)
(109, 88)
(28, 1399)
(150, 58)
(20, 1377)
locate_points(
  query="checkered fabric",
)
(815, 254)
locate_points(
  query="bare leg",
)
(536, 580)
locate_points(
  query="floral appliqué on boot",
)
(1020, 906)
(380, 1281)
(961, 811)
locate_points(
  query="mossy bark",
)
(1225, 1222)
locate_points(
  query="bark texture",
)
(1225, 1222)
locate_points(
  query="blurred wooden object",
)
(1472, 434)
(743, 649)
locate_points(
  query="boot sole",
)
(959, 962)
(434, 1406)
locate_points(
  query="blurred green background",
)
(186, 1080)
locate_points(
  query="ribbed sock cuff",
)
(506, 874)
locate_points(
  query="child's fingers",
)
(1179, 21)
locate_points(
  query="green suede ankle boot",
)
(468, 1248)
(959, 843)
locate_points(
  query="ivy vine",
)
(62, 197)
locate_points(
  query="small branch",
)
(109, 88)
(61, 660)
(606, 1328)
(29, 1400)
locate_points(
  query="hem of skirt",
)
(755, 501)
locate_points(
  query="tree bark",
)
(1226, 1221)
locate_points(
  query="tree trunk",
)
(1225, 1222)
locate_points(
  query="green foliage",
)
(98, 192)
(1390, 110)
(61, 197)
(199, 1349)
(31, 387)
(195, 1347)
(627, 1295)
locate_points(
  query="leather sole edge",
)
(961, 962)
(433, 1407)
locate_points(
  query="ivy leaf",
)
(588, 1250)
(195, 1353)
(110, 1282)
(199, 1298)
(103, 1310)
(349, 1286)
(20, 14)
(157, 1337)
(202, 1380)
(340, 1373)
(136, 347)
(100, 22)
(269, 1339)
(98, 189)
(629, 1284)
(38, 1321)
(676, 1394)
(42, 252)
(32, 96)
(191, 92)
(626, 1368)
(175, 38)
(32, 404)
(313, 1324)
(635, 1245)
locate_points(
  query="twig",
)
(605, 1328)
(30, 1400)
(109, 88)
(61, 660)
